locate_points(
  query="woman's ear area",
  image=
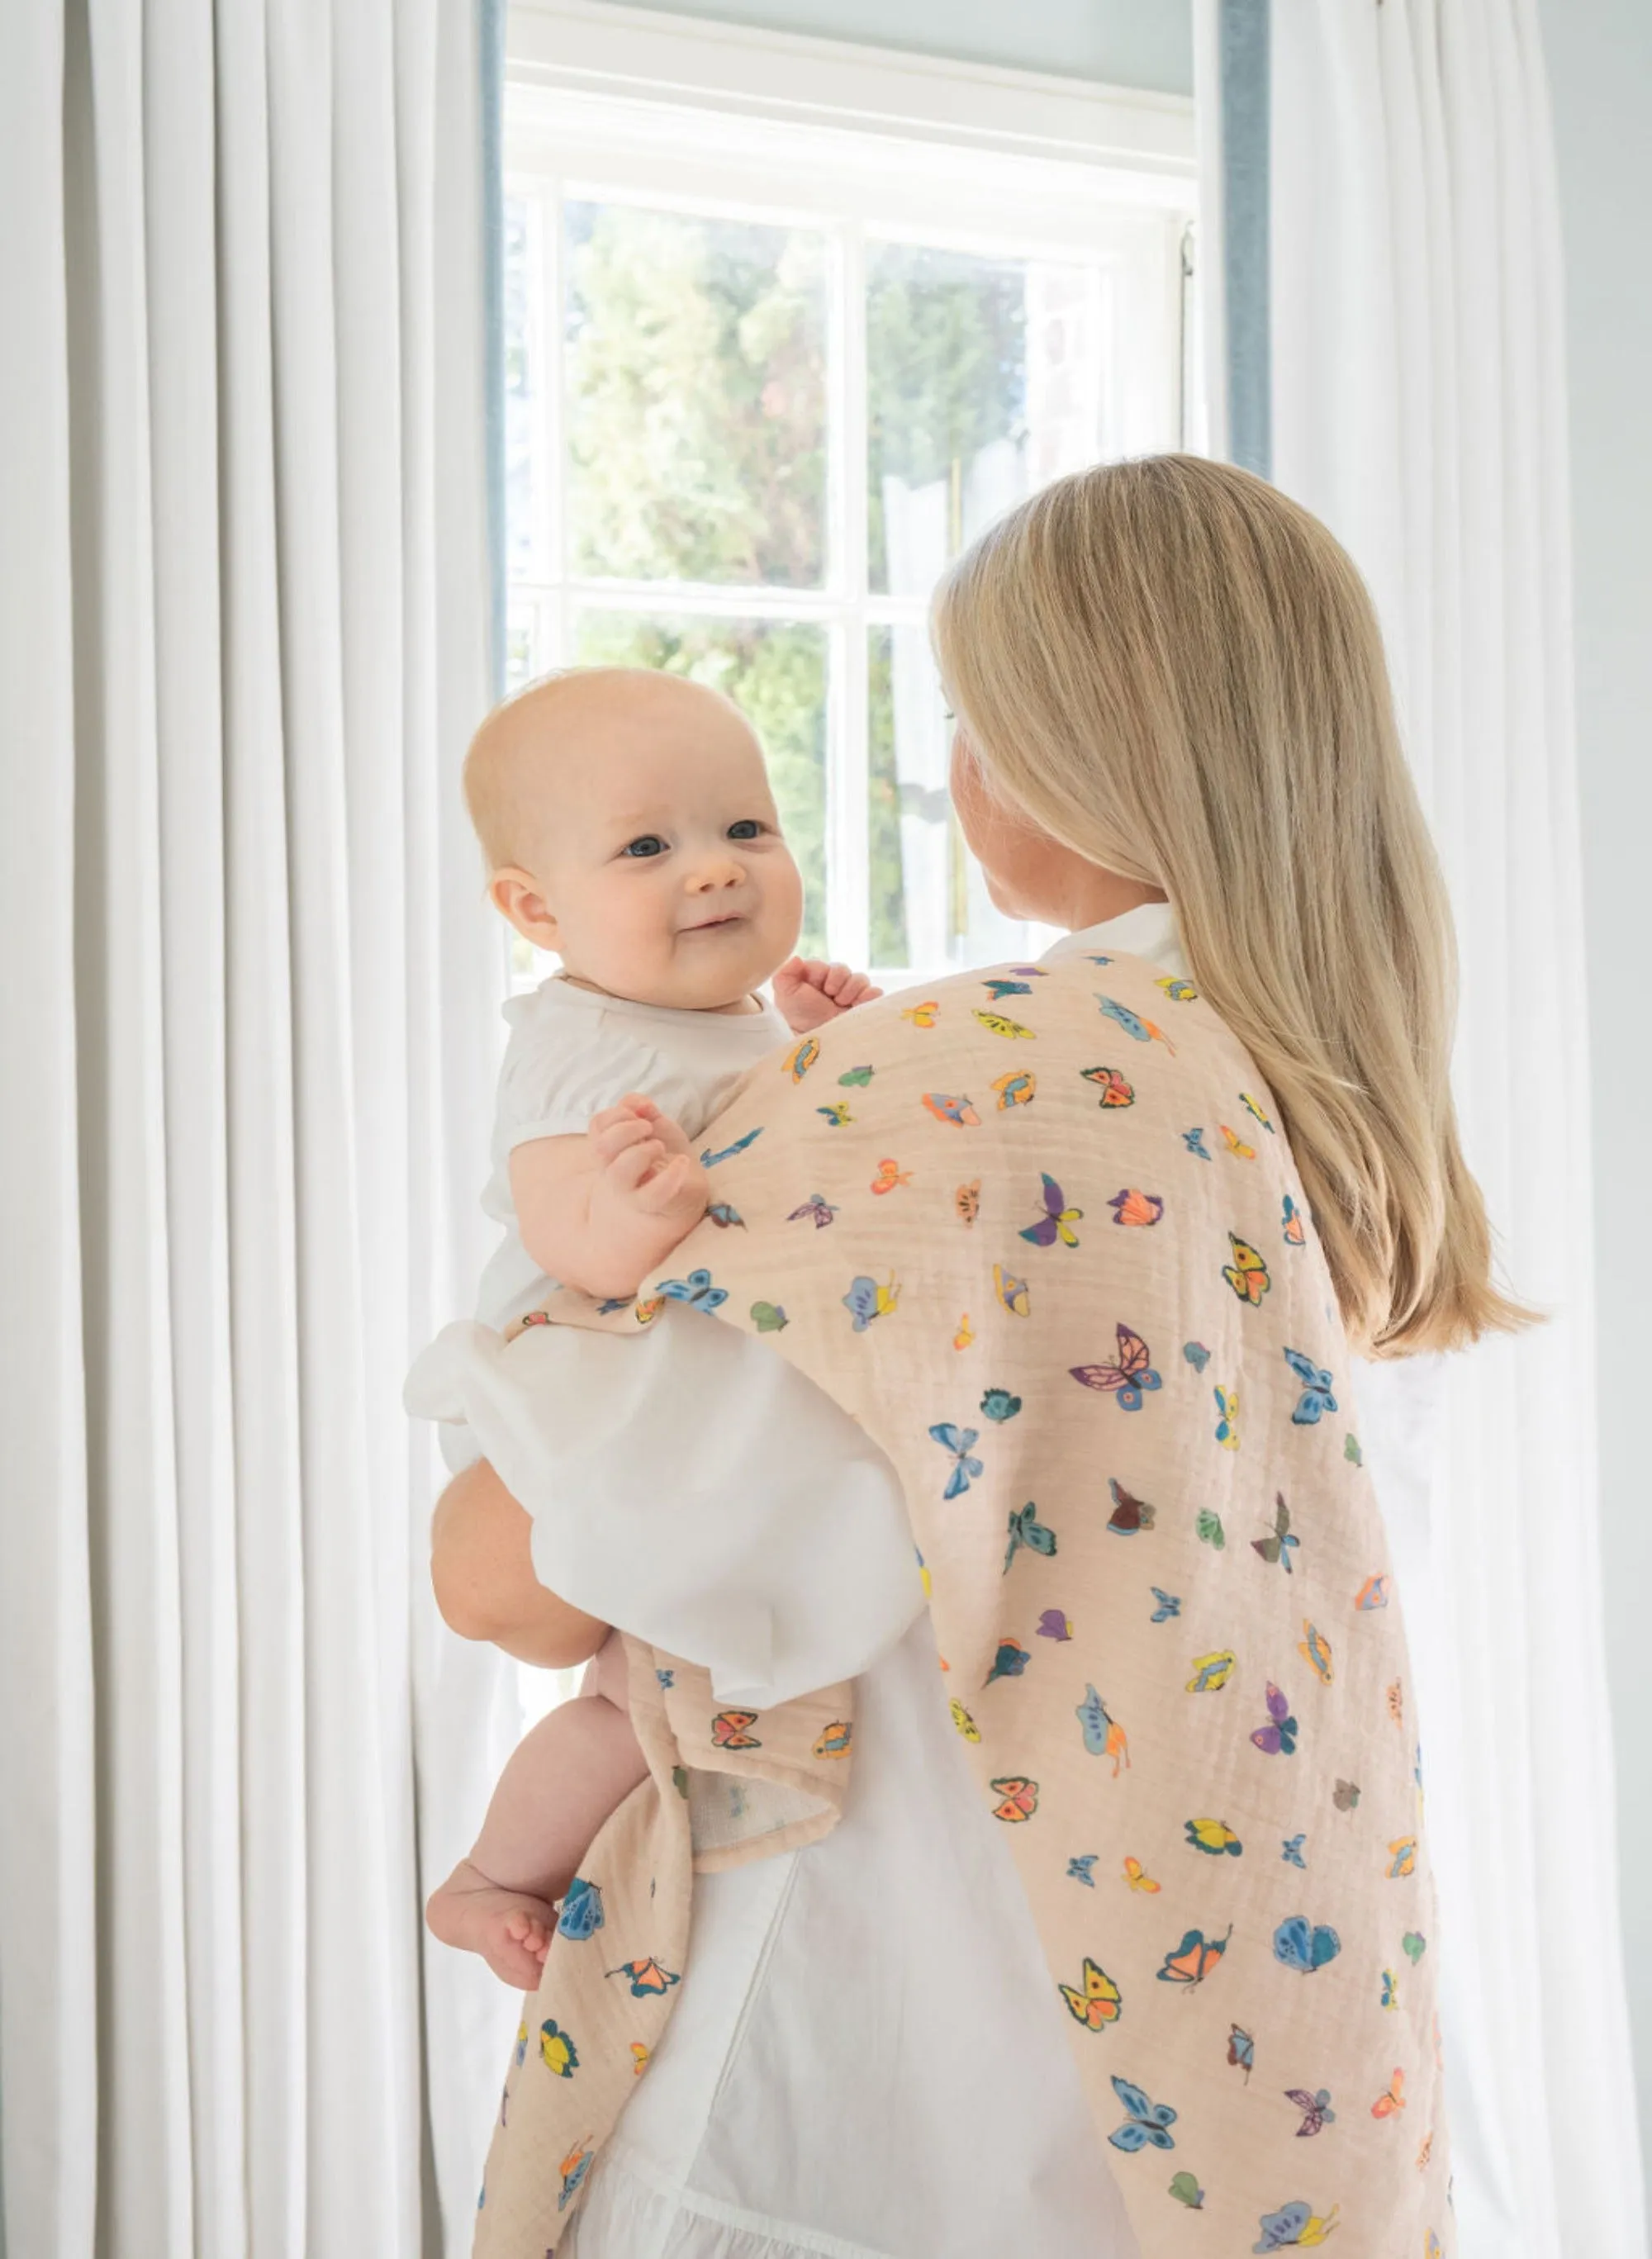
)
(514, 893)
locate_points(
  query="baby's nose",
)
(717, 872)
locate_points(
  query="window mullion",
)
(848, 877)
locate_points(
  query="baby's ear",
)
(516, 895)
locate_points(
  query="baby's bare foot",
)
(511, 1929)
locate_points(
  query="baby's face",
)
(658, 851)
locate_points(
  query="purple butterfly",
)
(1315, 2108)
(821, 1210)
(1278, 1738)
(1057, 1220)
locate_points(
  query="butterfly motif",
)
(1143, 1031)
(948, 1108)
(1194, 1141)
(1168, 1605)
(1186, 2190)
(838, 1114)
(965, 1333)
(1277, 1737)
(1011, 1291)
(668, 1680)
(1103, 1735)
(800, 1058)
(729, 1730)
(1213, 1836)
(1138, 1879)
(1196, 1354)
(1208, 1529)
(924, 1015)
(557, 2050)
(1403, 1861)
(1128, 1379)
(1025, 1528)
(1132, 1207)
(999, 1404)
(1055, 1624)
(522, 2044)
(1057, 1220)
(1413, 1945)
(1390, 2105)
(1227, 1418)
(1373, 1593)
(1020, 1798)
(709, 1160)
(1179, 991)
(1280, 1545)
(857, 1079)
(1316, 1390)
(1351, 1450)
(1101, 960)
(1247, 1274)
(1195, 1958)
(866, 1300)
(966, 1202)
(1235, 1144)
(1094, 2000)
(1146, 2121)
(1397, 1705)
(724, 1217)
(1435, 2249)
(1078, 1871)
(1015, 1090)
(890, 1174)
(957, 1442)
(1254, 1111)
(1423, 2154)
(996, 1025)
(1294, 1229)
(1128, 1514)
(1115, 1091)
(818, 1210)
(640, 2058)
(1315, 1651)
(769, 1317)
(965, 1723)
(1291, 1850)
(1295, 2224)
(835, 1742)
(696, 1290)
(1304, 1945)
(1315, 2108)
(1391, 1989)
(1011, 1661)
(1242, 2051)
(999, 989)
(581, 1915)
(1345, 1795)
(1211, 1671)
(645, 1979)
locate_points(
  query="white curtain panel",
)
(1419, 407)
(250, 1004)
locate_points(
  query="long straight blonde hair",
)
(1177, 673)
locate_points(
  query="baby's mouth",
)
(716, 924)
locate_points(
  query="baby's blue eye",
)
(649, 844)
(747, 828)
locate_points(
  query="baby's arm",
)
(602, 1211)
(809, 993)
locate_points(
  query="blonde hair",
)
(1177, 673)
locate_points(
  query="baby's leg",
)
(562, 1781)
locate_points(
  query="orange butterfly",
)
(1138, 1879)
(967, 1200)
(1195, 1958)
(965, 1333)
(1020, 1798)
(923, 1016)
(889, 1175)
(1096, 2002)
(1238, 1145)
(1390, 2104)
(1396, 1705)
(729, 1730)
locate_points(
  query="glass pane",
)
(524, 389)
(775, 671)
(930, 910)
(984, 380)
(521, 643)
(696, 398)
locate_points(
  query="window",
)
(786, 323)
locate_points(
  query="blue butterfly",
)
(615, 1302)
(709, 1160)
(1011, 1661)
(1197, 1355)
(696, 1290)
(1194, 1141)
(1093, 1716)
(581, 1914)
(1001, 989)
(1316, 1390)
(1300, 1946)
(1168, 1605)
(1126, 1018)
(1148, 2122)
(1079, 1869)
(958, 1440)
(866, 1300)
(1101, 960)
(1286, 2227)
(723, 1216)
(1291, 1849)
(1025, 1528)
(668, 1680)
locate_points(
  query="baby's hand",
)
(809, 992)
(646, 1167)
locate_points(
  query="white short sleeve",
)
(557, 1074)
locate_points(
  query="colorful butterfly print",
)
(769, 1317)
(1015, 1090)
(1254, 1111)
(1316, 1389)
(1413, 1945)
(1079, 1869)
(1194, 1141)
(1227, 1418)
(724, 1217)
(1011, 1030)
(1211, 1672)
(1208, 1529)
(1390, 2105)
(1291, 1850)
(709, 1160)
(1011, 1291)
(581, 1915)
(1435, 2249)
(965, 1723)
(965, 1333)
(640, 2058)
(1020, 1798)
(999, 989)
(1128, 1514)
(1397, 1705)
(1373, 1593)
(1143, 1031)
(818, 1210)
(1280, 1545)
(1055, 1623)
(866, 1300)
(1028, 971)
(1101, 960)
(1242, 2051)
(557, 2050)
(1213, 1836)
(646, 1978)
(957, 1442)
(1403, 1860)
(1351, 1450)
(800, 1058)
(1125, 1380)
(1294, 1231)
(1391, 1989)
(947, 1108)
(1186, 2190)
(573, 2169)
(1011, 1661)
(696, 1290)
(1345, 1795)
(1235, 1144)
(966, 1202)
(1196, 1354)
(1304, 1945)
(835, 1742)
(647, 1312)
(729, 1730)
(999, 1404)
(1315, 2108)
(1147, 2121)
(890, 1174)
(1423, 2154)
(837, 1113)
(1115, 1091)
(1295, 2224)
(1315, 1651)
(1131, 1206)
(1138, 1879)
(1247, 1274)
(1277, 1737)
(1168, 1605)
(1103, 1735)
(522, 2044)
(1025, 1528)
(857, 1079)
(1195, 1958)
(1179, 991)
(924, 1015)
(1094, 2001)
(1057, 1220)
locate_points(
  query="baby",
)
(628, 822)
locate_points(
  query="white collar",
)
(1148, 930)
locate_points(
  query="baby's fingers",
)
(630, 1170)
(667, 1187)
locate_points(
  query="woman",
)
(1175, 739)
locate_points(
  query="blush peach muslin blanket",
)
(1041, 1234)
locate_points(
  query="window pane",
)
(524, 388)
(984, 381)
(930, 910)
(775, 671)
(696, 398)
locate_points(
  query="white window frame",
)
(628, 104)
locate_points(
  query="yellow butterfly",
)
(1011, 1291)
(1137, 1878)
(1238, 1145)
(965, 1333)
(996, 1025)
(922, 1016)
(1250, 1106)
(1227, 1418)
(639, 2058)
(1404, 1848)
(801, 1057)
(1247, 1274)
(965, 1723)
(1179, 991)
(1097, 2003)
(1211, 1672)
(1315, 1650)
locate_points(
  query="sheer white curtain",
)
(249, 1001)
(1418, 406)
